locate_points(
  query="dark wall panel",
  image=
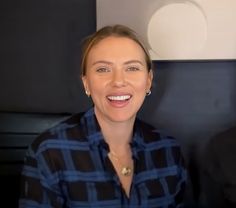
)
(40, 51)
(39, 72)
(192, 99)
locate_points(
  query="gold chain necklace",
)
(125, 170)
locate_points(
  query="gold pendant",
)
(126, 171)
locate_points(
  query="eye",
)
(102, 69)
(133, 68)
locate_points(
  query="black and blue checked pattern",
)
(68, 166)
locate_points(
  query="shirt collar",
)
(96, 138)
(92, 128)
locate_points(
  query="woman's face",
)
(117, 78)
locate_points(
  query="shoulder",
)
(65, 131)
(164, 150)
(220, 149)
(225, 138)
(150, 134)
(157, 141)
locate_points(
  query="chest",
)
(103, 189)
(93, 182)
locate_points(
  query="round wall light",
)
(177, 30)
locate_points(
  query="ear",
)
(149, 81)
(86, 87)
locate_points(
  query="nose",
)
(118, 78)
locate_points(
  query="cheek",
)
(142, 85)
(96, 87)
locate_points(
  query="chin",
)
(122, 118)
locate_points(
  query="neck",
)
(117, 134)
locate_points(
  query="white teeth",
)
(119, 98)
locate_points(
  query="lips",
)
(119, 101)
(119, 97)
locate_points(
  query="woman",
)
(106, 157)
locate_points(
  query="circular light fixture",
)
(177, 30)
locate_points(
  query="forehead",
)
(117, 46)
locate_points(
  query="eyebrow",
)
(102, 62)
(133, 61)
(125, 63)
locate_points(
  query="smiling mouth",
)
(119, 97)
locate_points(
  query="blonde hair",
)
(107, 31)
